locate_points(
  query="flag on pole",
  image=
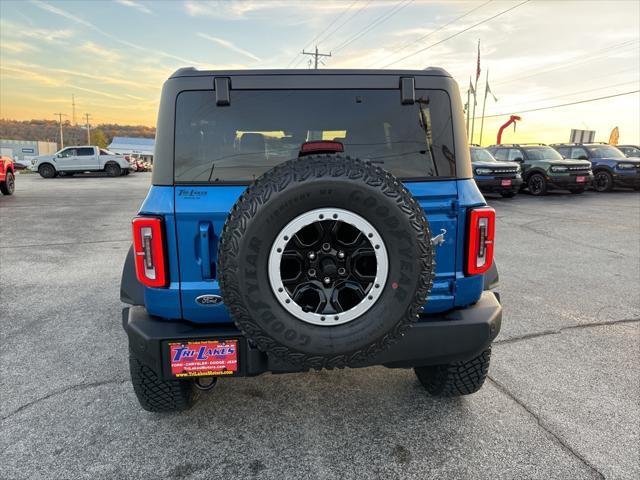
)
(472, 90)
(478, 64)
(488, 91)
(614, 137)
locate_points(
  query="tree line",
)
(49, 131)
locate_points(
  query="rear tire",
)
(113, 169)
(9, 185)
(537, 184)
(46, 171)
(602, 181)
(156, 395)
(457, 378)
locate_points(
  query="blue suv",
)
(309, 220)
(611, 168)
(493, 176)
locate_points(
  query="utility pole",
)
(60, 115)
(73, 109)
(316, 56)
(86, 116)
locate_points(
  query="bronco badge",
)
(209, 299)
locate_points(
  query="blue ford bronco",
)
(305, 220)
(611, 168)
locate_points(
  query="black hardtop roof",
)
(193, 72)
(518, 145)
(568, 144)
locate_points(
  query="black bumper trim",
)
(495, 185)
(628, 180)
(570, 181)
(456, 335)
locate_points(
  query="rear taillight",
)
(482, 223)
(148, 246)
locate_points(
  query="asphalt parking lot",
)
(562, 400)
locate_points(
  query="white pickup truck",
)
(81, 159)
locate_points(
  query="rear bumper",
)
(457, 335)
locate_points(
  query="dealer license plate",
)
(506, 183)
(204, 358)
(580, 179)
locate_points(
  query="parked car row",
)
(539, 168)
(138, 163)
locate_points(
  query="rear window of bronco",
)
(262, 128)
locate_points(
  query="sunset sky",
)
(114, 55)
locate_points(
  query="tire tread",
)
(156, 395)
(456, 378)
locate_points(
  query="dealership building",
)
(25, 150)
(129, 145)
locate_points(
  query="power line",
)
(563, 104)
(575, 93)
(346, 20)
(370, 26)
(412, 42)
(458, 33)
(331, 23)
(606, 51)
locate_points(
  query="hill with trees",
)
(49, 131)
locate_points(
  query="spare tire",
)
(325, 261)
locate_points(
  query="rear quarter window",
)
(262, 128)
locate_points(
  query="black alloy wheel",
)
(328, 267)
(46, 171)
(537, 184)
(602, 181)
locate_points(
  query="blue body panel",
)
(195, 215)
(164, 302)
(604, 162)
(612, 163)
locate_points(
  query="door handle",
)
(205, 234)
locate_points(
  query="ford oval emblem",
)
(209, 299)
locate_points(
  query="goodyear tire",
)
(325, 261)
